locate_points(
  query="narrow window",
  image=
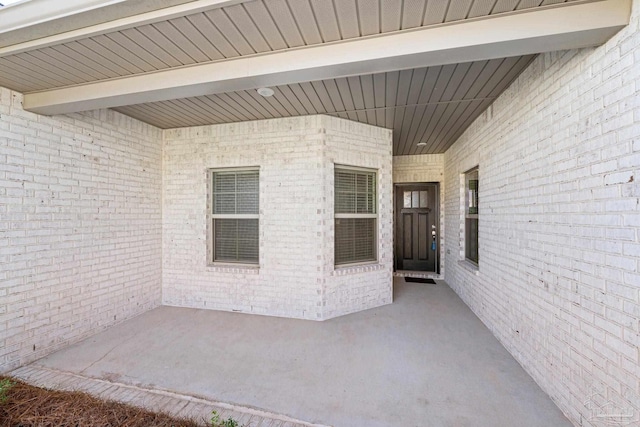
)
(355, 215)
(234, 216)
(471, 215)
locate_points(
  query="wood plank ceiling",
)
(432, 105)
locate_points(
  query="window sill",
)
(469, 266)
(345, 270)
(229, 267)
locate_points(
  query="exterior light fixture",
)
(265, 91)
(421, 144)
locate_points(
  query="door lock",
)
(433, 234)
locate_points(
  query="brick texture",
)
(296, 275)
(558, 281)
(418, 168)
(80, 221)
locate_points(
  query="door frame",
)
(396, 186)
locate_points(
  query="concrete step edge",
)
(27, 374)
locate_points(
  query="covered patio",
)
(424, 360)
(211, 198)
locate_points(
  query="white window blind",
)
(355, 215)
(235, 208)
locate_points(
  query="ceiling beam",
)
(573, 25)
(57, 10)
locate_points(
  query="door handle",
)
(433, 235)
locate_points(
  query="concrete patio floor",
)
(425, 360)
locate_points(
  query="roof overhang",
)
(574, 25)
(42, 23)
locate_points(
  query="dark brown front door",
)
(417, 234)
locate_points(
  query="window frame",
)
(374, 216)
(471, 196)
(211, 217)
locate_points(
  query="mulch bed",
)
(28, 406)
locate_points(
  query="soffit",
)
(17, 23)
(432, 105)
(242, 29)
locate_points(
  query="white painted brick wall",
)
(418, 168)
(559, 281)
(80, 224)
(296, 277)
(351, 289)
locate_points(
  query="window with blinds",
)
(471, 215)
(234, 216)
(355, 215)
